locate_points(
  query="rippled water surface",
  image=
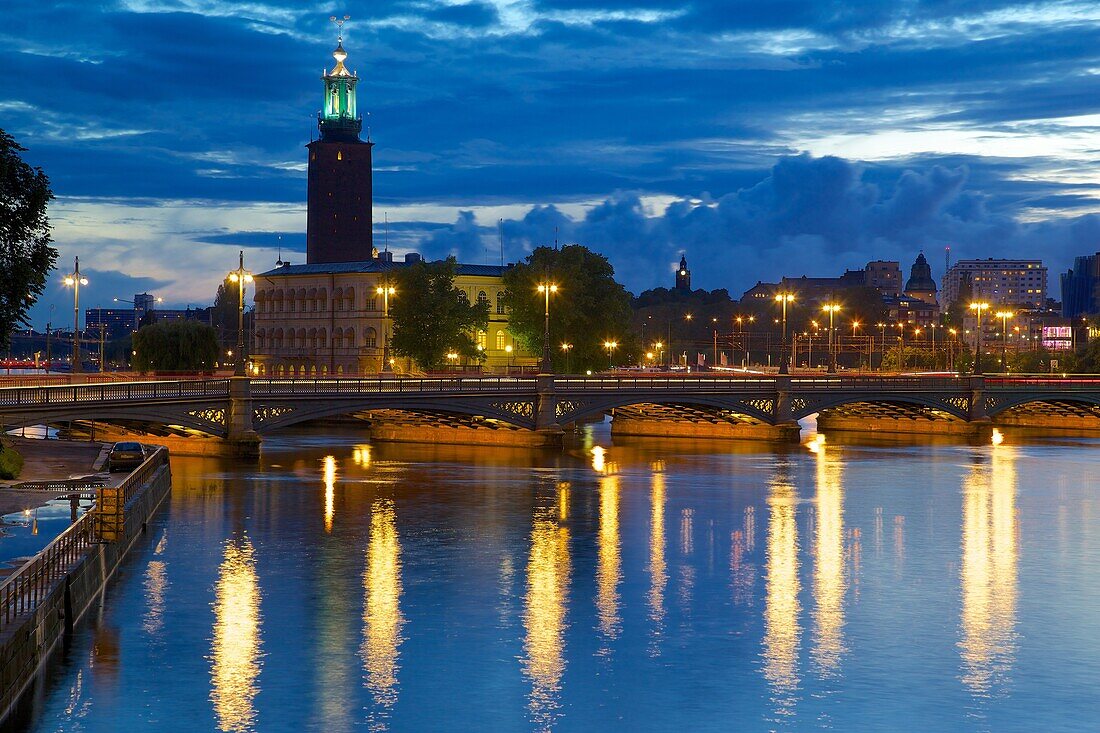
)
(637, 587)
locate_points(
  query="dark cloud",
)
(567, 101)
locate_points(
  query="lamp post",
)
(508, 349)
(882, 343)
(859, 365)
(75, 280)
(610, 346)
(935, 362)
(240, 276)
(901, 346)
(660, 352)
(783, 299)
(951, 349)
(546, 288)
(386, 290)
(832, 309)
(567, 348)
(715, 326)
(978, 307)
(1004, 316)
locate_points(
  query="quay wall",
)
(27, 646)
(721, 430)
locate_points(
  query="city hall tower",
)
(339, 220)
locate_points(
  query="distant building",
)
(117, 321)
(884, 276)
(920, 284)
(683, 276)
(1081, 287)
(904, 309)
(1021, 283)
(328, 319)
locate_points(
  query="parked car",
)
(126, 456)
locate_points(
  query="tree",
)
(431, 317)
(176, 346)
(589, 308)
(26, 256)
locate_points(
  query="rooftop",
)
(378, 265)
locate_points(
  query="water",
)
(641, 587)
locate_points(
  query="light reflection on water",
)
(662, 586)
(235, 652)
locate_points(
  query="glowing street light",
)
(74, 281)
(386, 290)
(832, 309)
(546, 288)
(978, 307)
(240, 276)
(1004, 316)
(567, 348)
(784, 298)
(610, 346)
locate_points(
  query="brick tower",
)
(339, 220)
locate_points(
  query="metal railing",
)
(111, 392)
(23, 590)
(389, 385)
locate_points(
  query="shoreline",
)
(46, 460)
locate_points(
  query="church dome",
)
(920, 277)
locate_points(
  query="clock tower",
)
(339, 219)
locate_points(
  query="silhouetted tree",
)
(26, 256)
(176, 346)
(430, 316)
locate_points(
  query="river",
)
(642, 586)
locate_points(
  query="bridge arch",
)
(275, 415)
(998, 404)
(957, 406)
(570, 410)
(210, 419)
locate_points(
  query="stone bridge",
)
(240, 409)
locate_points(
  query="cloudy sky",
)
(772, 138)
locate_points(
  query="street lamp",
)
(832, 309)
(859, 364)
(784, 355)
(978, 307)
(508, 350)
(882, 333)
(567, 348)
(610, 346)
(660, 352)
(74, 281)
(546, 289)
(386, 290)
(1004, 316)
(240, 276)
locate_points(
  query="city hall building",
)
(327, 317)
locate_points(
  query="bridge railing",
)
(886, 383)
(1083, 383)
(390, 385)
(111, 392)
(678, 383)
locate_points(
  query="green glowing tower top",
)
(339, 120)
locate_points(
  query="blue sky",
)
(771, 138)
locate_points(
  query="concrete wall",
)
(25, 648)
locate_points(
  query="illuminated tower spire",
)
(340, 221)
(339, 119)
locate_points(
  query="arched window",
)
(500, 340)
(349, 336)
(481, 339)
(500, 302)
(370, 338)
(338, 338)
(483, 299)
(372, 303)
(322, 338)
(463, 298)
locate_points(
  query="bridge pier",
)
(784, 411)
(978, 411)
(240, 433)
(546, 412)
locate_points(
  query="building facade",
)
(317, 320)
(1081, 287)
(920, 285)
(884, 276)
(1020, 283)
